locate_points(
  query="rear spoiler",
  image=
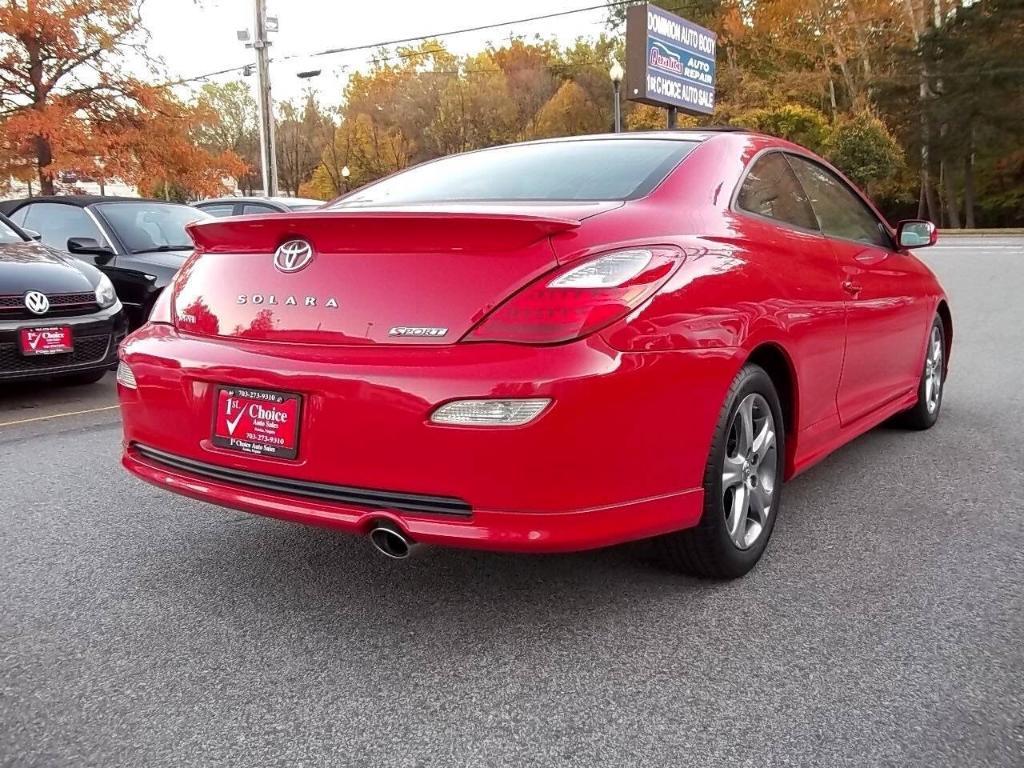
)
(377, 231)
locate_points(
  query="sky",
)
(198, 36)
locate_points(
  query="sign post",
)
(670, 62)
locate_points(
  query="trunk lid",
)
(376, 276)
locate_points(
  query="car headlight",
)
(106, 296)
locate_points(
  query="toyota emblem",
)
(293, 255)
(37, 303)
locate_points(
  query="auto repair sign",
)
(670, 62)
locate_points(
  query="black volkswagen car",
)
(139, 243)
(59, 317)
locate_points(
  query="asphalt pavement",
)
(884, 627)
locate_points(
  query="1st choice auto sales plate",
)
(257, 421)
(52, 340)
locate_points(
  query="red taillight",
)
(579, 299)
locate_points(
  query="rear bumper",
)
(96, 338)
(482, 529)
(618, 456)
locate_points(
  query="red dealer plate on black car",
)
(53, 340)
(257, 421)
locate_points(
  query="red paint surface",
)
(620, 453)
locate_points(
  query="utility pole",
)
(268, 156)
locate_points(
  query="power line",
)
(480, 28)
(401, 41)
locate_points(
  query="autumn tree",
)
(568, 113)
(299, 134)
(476, 108)
(63, 86)
(68, 102)
(157, 148)
(528, 70)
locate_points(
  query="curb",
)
(983, 232)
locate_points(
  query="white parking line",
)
(58, 415)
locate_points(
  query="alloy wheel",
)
(749, 471)
(933, 371)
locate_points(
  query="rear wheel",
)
(742, 485)
(933, 378)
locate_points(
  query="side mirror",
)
(916, 233)
(32, 234)
(88, 246)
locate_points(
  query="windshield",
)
(148, 226)
(595, 169)
(7, 234)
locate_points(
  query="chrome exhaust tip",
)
(391, 543)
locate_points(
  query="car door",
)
(810, 304)
(57, 222)
(885, 315)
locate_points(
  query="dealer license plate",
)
(257, 421)
(52, 340)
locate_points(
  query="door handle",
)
(851, 287)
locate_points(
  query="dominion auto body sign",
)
(670, 62)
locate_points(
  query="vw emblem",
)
(37, 303)
(293, 255)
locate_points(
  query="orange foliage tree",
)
(68, 102)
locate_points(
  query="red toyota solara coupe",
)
(541, 347)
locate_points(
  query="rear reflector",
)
(608, 271)
(125, 377)
(490, 413)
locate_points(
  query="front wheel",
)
(742, 485)
(933, 378)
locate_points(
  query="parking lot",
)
(883, 627)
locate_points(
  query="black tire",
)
(708, 551)
(921, 416)
(82, 379)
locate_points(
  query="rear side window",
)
(58, 222)
(587, 170)
(771, 189)
(250, 208)
(841, 213)
(220, 210)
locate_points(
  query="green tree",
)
(802, 125)
(862, 148)
(236, 129)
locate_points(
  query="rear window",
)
(599, 169)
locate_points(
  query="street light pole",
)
(616, 73)
(268, 156)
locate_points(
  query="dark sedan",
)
(59, 317)
(139, 243)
